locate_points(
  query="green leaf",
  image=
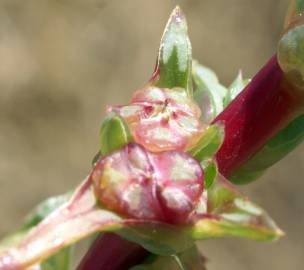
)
(209, 144)
(231, 214)
(210, 172)
(236, 87)
(291, 55)
(61, 260)
(187, 260)
(209, 93)
(276, 149)
(158, 238)
(174, 59)
(114, 134)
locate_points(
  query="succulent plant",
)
(162, 176)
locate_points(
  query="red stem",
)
(111, 252)
(262, 109)
(267, 105)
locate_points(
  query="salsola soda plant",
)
(168, 161)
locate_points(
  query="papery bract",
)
(162, 119)
(140, 184)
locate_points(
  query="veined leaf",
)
(276, 149)
(174, 59)
(231, 214)
(209, 93)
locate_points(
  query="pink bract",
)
(153, 186)
(162, 119)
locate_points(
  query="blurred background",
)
(63, 61)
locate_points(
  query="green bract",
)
(174, 59)
(209, 93)
(209, 144)
(114, 134)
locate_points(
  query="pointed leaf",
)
(209, 93)
(231, 214)
(174, 59)
(114, 134)
(209, 143)
(236, 87)
(276, 149)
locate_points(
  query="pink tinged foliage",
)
(139, 184)
(69, 223)
(162, 119)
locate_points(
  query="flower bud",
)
(140, 184)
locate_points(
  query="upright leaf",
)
(174, 59)
(236, 87)
(114, 134)
(209, 93)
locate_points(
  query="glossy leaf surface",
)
(174, 59)
(114, 134)
(209, 93)
(231, 214)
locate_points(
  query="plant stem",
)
(266, 106)
(111, 252)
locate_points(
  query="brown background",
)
(61, 62)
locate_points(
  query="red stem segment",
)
(267, 104)
(111, 252)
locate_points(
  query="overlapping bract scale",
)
(155, 186)
(162, 119)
